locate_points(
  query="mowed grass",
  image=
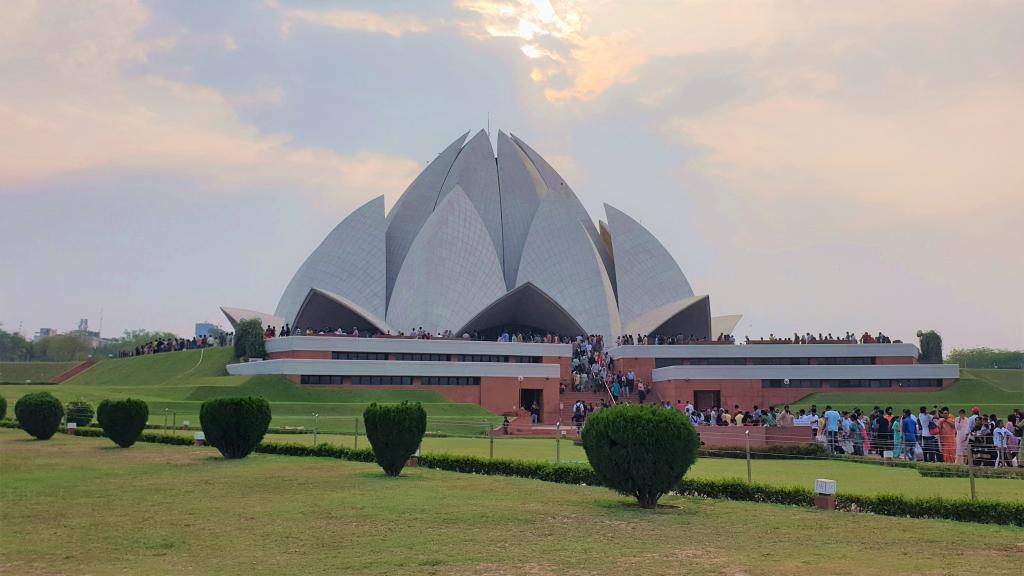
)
(998, 391)
(82, 506)
(175, 384)
(851, 477)
(42, 372)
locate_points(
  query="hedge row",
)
(959, 509)
(765, 452)
(961, 471)
(963, 510)
(151, 437)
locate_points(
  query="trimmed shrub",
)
(3, 407)
(395, 432)
(39, 414)
(80, 412)
(123, 420)
(640, 451)
(235, 426)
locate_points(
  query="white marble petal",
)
(350, 261)
(647, 275)
(475, 172)
(450, 273)
(560, 259)
(521, 188)
(414, 207)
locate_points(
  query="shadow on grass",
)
(632, 506)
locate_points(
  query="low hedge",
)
(961, 471)
(765, 452)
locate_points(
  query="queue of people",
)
(808, 338)
(177, 344)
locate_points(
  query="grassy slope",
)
(181, 381)
(998, 390)
(82, 506)
(33, 371)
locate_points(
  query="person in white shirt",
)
(1000, 439)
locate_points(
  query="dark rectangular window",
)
(666, 362)
(409, 357)
(526, 359)
(359, 356)
(319, 380)
(450, 380)
(382, 380)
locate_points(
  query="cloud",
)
(72, 105)
(394, 25)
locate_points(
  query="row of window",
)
(317, 379)
(828, 361)
(359, 356)
(794, 383)
(410, 357)
(451, 380)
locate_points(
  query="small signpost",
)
(825, 494)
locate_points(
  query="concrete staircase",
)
(74, 371)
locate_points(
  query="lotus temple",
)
(484, 243)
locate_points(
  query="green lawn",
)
(82, 506)
(997, 390)
(175, 385)
(41, 372)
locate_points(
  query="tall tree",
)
(931, 347)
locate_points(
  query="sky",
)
(813, 165)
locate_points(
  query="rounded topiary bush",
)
(640, 451)
(3, 407)
(80, 412)
(39, 414)
(123, 420)
(395, 432)
(235, 426)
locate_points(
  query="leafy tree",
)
(640, 450)
(123, 420)
(3, 407)
(235, 426)
(249, 339)
(39, 414)
(14, 347)
(80, 412)
(395, 432)
(931, 347)
(63, 347)
(986, 358)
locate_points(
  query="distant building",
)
(207, 329)
(44, 333)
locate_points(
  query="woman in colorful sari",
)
(897, 437)
(947, 436)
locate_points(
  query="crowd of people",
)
(933, 435)
(808, 338)
(177, 344)
(593, 370)
(655, 339)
